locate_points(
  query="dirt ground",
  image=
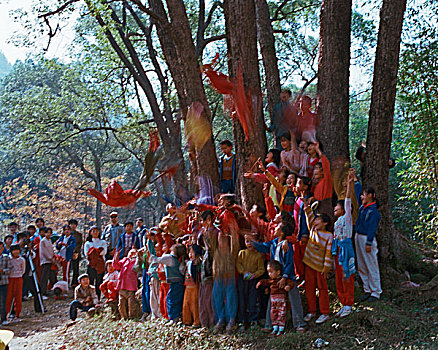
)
(36, 331)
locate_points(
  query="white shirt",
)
(63, 250)
(95, 243)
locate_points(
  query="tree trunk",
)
(241, 29)
(333, 77)
(381, 119)
(206, 157)
(266, 39)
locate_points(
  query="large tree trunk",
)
(180, 54)
(333, 77)
(266, 39)
(381, 120)
(241, 32)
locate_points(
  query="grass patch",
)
(383, 325)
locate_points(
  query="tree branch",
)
(58, 10)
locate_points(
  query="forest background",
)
(80, 120)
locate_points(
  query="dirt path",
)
(36, 331)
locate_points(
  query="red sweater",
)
(324, 188)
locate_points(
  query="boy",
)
(284, 117)
(227, 167)
(46, 252)
(207, 240)
(66, 246)
(318, 260)
(15, 286)
(4, 279)
(250, 265)
(127, 241)
(278, 296)
(73, 224)
(85, 298)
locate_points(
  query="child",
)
(343, 252)
(66, 246)
(154, 294)
(4, 279)
(227, 167)
(175, 279)
(95, 250)
(15, 286)
(250, 265)
(285, 257)
(127, 284)
(323, 190)
(302, 189)
(60, 289)
(366, 245)
(225, 250)
(290, 156)
(207, 240)
(109, 284)
(190, 311)
(278, 296)
(127, 241)
(85, 298)
(312, 159)
(46, 258)
(307, 120)
(8, 243)
(272, 162)
(318, 260)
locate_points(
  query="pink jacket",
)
(127, 277)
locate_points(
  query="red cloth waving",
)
(115, 196)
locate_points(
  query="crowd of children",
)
(220, 266)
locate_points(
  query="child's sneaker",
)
(339, 313)
(300, 329)
(346, 311)
(218, 328)
(322, 319)
(279, 333)
(230, 327)
(5, 323)
(308, 317)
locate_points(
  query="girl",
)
(175, 279)
(127, 284)
(272, 162)
(290, 156)
(95, 251)
(17, 266)
(318, 260)
(366, 245)
(312, 159)
(109, 283)
(343, 252)
(190, 313)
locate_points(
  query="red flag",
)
(115, 196)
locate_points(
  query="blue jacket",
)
(367, 222)
(286, 259)
(140, 233)
(346, 255)
(122, 243)
(71, 245)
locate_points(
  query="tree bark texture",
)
(241, 30)
(180, 54)
(333, 77)
(381, 119)
(266, 40)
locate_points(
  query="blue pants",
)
(227, 186)
(174, 300)
(225, 300)
(3, 291)
(74, 306)
(146, 293)
(247, 300)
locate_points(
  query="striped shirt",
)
(4, 266)
(318, 254)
